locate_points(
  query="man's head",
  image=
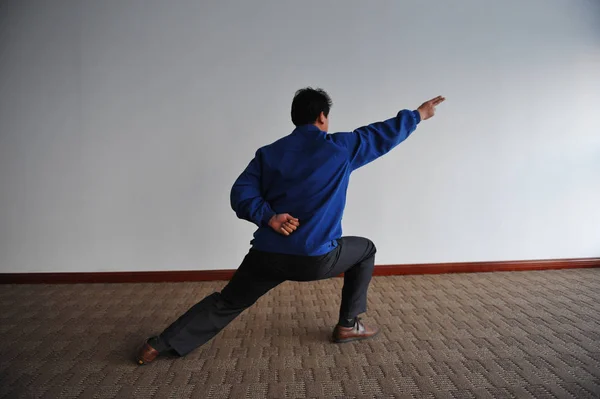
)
(311, 107)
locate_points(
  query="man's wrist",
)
(266, 219)
(418, 116)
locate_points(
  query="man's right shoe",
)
(146, 354)
(357, 332)
(152, 348)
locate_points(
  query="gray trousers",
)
(263, 271)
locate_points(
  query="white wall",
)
(124, 123)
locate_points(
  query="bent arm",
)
(246, 198)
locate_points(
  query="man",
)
(294, 190)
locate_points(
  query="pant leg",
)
(209, 316)
(355, 257)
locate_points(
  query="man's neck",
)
(319, 126)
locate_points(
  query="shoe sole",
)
(343, 341)
(140, 361)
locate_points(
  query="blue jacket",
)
(306, 174)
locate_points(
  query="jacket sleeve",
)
(246, 198)
(370, 142)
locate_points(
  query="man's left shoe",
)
(357, 332)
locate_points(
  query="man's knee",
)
(368, 259)
(371, 248)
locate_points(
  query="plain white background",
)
(124, 123)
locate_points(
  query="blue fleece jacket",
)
(306, 174)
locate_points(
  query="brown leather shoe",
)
(146, 354)
(359, 331)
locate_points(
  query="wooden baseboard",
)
(212, 275)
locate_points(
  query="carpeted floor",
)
(487, 335)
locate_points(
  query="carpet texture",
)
(488, 335)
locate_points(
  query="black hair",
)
(308, 104)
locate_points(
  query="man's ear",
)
(322, 118)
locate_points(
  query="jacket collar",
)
(309, 131)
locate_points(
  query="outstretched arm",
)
(368, 143)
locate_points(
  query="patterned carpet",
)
(487, 335)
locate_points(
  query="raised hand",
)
(427, 109)
(284, 223)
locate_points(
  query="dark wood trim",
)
(212, 275)
(116, 277)
(476, 267)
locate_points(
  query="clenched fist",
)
(284, 223)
